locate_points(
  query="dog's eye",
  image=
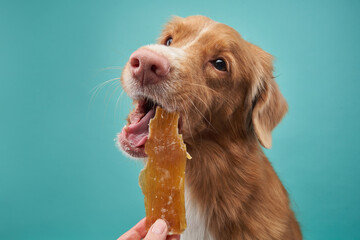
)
(219, 64)
(168, 41)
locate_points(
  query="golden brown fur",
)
(225, 118)
(229, 175)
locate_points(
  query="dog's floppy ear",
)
(269, 105)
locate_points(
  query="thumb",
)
(158, 231)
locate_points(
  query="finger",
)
(136, 233)
(140, 227)
(158, 231)
(173, 237)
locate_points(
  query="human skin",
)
(158, 231)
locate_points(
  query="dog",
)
(224, 90)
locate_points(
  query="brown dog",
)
(229, 103)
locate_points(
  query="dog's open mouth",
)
(133, 136)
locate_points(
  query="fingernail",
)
(158, 227)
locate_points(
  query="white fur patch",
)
(202, 32)
(173, 54)
(196, 221)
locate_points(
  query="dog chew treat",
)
(162, 179)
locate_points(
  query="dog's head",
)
(217, 81)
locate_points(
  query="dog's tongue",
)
(138, 131)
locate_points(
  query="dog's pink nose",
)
(148, 67)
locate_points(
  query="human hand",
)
(158, 231)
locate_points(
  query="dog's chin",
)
(134, 134)
(128, 149)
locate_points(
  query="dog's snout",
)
(148, 67)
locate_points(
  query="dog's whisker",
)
(117, 85)
(202, 115)
(186, 116)
(197, 97)
(203, 86)
(100, 85)
(217, 94)
(117, 102)
(96, 90)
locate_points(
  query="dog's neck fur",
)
(230, 189)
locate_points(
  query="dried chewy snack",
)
(162, 179)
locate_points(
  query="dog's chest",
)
(196, 221)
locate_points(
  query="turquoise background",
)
(61, 176)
